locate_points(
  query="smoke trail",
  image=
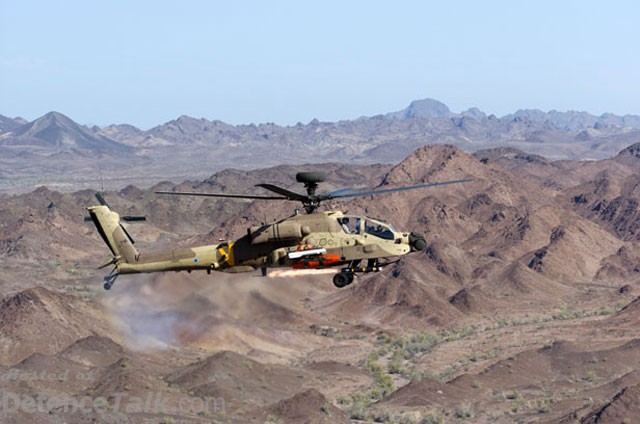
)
(137, 312)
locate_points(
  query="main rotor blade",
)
(337, 195)
(341, 191)
(283, 191)
(232, 196)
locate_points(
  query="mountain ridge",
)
(188, 147)
(570, 120)
(58, 132)
(521, 306)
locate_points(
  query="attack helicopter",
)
(315, 240)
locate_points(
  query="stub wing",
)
(313, 257)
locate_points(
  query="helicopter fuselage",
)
(302, 241)
(292, 242)
(314, 240)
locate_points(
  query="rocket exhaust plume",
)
(291, 273)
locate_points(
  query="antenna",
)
(101, 181)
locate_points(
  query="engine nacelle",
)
(284, 231)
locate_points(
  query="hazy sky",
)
(146, 62)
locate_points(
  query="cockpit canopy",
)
(365, 225)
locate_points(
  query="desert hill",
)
(526, 373)
(44, 321)
(308, 407)
(94, 351)
(522, 306)
(622, 407)
(217, 376)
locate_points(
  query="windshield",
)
(374, 227)
(379, 229)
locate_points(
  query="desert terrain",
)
(523, 308)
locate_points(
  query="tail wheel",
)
(109, 279)
(342, 279)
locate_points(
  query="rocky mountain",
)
(577, 121)
(570, 121)
(193, 148)
(8, 124)
(523, 307)
(427, 108)
(57, 133)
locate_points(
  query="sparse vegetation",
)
(384, 382)
(356, 409)
(272, 419)
(513, 395)
(464, 411)
(326, 409)
(433, 418)
(543, 406)
(397, 353)
(589, 377)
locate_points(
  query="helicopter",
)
(315, 240)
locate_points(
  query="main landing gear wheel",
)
(343, 279)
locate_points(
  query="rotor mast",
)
(310, 181)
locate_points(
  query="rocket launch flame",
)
(288, 273)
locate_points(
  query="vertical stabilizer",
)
(112, 232)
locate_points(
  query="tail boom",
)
(128, 260)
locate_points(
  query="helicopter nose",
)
(417, 242)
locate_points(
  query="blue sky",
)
(146, 62)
